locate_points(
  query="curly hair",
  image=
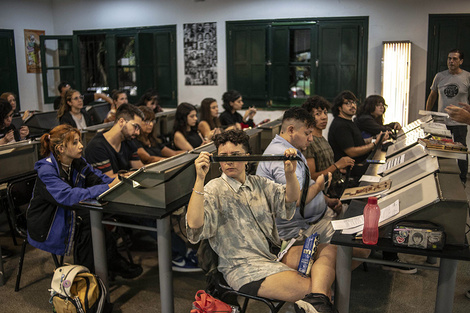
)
(369, 107)
(338, 101)
(316, 102)
(237, 137)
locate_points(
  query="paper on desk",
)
(355, 224)
(391, 163)
(370, 178)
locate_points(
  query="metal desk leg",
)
(164, 264)
(99, 246)
(343, 278)
(446, 286)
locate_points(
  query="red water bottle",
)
(370, 233)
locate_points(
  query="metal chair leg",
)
(20, 265)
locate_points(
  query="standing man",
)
(345, 137)
(451, 87)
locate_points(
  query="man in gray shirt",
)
(451, 88)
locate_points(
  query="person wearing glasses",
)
(345, 137)
(88, 97)
(115, 149)
(72, 112)
(8, 131)
(370, 117)
(149, 148)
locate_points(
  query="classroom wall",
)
(388, 20)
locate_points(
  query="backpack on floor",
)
(75, 290)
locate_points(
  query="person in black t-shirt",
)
(232, 103)
(114, 150)
(8, 131)
(345, 137)
(149, 148)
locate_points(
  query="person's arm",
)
(340, 165)
(205, 129)
(8, 137)
(315, 189)
(431, 100)
(98, 96)
(292, 184)
(168, 152)
(147, 158)
(181, 142)
(24, 132)
(136, 164)
(195, 214)
(354, 152)
(457, 114)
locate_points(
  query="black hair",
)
(230, 96)
(316, 102)
(338, 101)
(235, 136)
(128, 112)
(181, 118)
(5, 109)
(369, 107)
(115, 94)
(298, 114)
(457, 51)
(62, 84)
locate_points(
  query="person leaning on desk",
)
(8, 131)
(64, 179)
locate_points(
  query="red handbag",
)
(205, 303)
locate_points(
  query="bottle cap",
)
(372, 200)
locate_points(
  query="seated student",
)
(64, 179)
(119, 97)
(319, 155)
(186, 136)
(230, 211)
(210, 123)
(8, 131)
(149, 148)
(87, 98)
(345, 137)
(370, 117)
(232, 102)
(72, 111)
(150, 100)
(12, 99)
(115, 150)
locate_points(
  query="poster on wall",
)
(33, 57)
(200, 54)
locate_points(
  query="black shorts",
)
(253, 287)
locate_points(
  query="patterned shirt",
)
(321, 151)
(239, 221)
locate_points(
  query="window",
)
(396, 80)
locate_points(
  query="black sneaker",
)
(315, 303)
(121, 267)
(6, 253)
(400, 267)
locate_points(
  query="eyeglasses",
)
(382, 105)
(232, 154)
(136, 126)
(149, 122)
(349, 102)
(79, 97)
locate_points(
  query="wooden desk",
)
(162, 217)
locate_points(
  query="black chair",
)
(218, 287)
(19, 194)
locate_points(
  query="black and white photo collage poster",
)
(200, 54)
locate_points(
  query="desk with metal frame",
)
(162, 217)
(447, 269)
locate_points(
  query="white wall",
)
(21, 15)
(388, 20)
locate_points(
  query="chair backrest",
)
(19, 194)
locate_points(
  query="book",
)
(366, 191)
(438, 143)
